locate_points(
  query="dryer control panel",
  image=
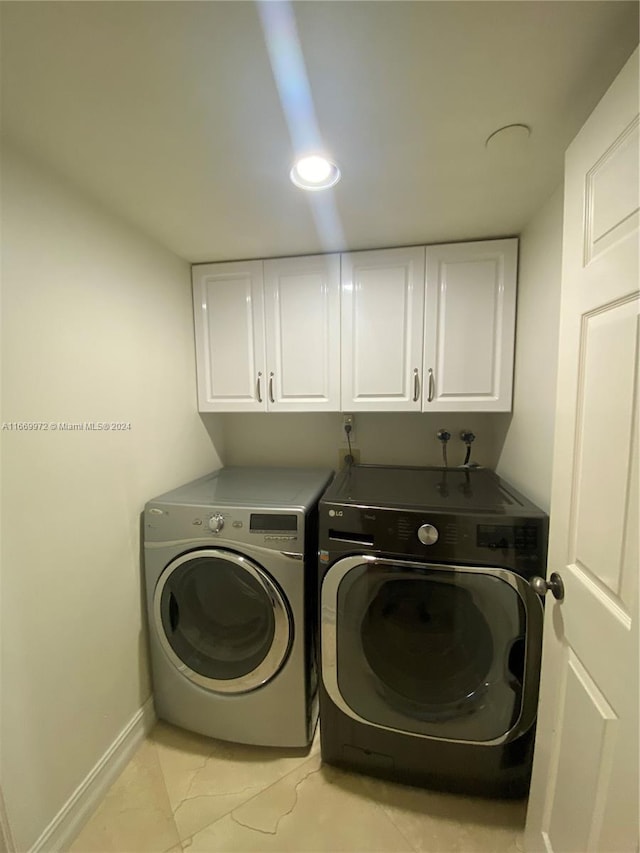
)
(279, 530)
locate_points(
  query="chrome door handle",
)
(258, 389)
(432, 387)
(554, 584)
(416, 385)
(271, 398)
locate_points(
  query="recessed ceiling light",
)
(314, 173)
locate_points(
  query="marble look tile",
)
(313, 808)
(432, 820)
(135, 816)
(207, 778)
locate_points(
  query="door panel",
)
(302, 310)
(221, 620)
(444, 652)
(584, 792)
(469, 325)
(605, 417)
(583, 759)
(229, 330)
(382, 317)
(611, 197)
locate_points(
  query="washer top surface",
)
(450, 490)
(237, 486)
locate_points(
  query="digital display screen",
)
(502, 536)
(276, 522)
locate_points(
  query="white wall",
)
(388, 439)
(96, 327)
(525, 460)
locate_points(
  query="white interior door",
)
(584, 792)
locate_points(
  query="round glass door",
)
(222, 620)
(428, 643)
(439, 651)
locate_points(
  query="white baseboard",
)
(89, 794)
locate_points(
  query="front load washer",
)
(430, 631)
(230, 572)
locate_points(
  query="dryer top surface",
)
(257, 487)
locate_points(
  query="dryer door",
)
(222, 620)
(446, 652)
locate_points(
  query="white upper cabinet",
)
(268, 335)
(382, 320)
(389, 330)
(470, 326)
(228, 303)
(302, 314)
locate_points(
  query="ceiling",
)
(169, 113)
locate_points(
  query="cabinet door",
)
(470, 326)
(382, 309)
(228, 305)
(302, 320)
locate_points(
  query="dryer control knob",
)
(428, 534)
(216, 523)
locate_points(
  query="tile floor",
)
(183, 792)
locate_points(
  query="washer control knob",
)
(428, 534)
(216, 523)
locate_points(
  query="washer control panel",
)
(451, 537)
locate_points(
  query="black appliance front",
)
(430, 668)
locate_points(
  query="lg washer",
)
(430, 631)
(230, 572)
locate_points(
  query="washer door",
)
(447, 652)
(222, 620)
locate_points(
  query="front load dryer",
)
(230, 567)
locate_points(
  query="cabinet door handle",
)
(416, 385)
(432, 386)
(258, 389)
(271, 398)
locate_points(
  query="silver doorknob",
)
(554, 584)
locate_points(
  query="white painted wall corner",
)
(66, 825)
